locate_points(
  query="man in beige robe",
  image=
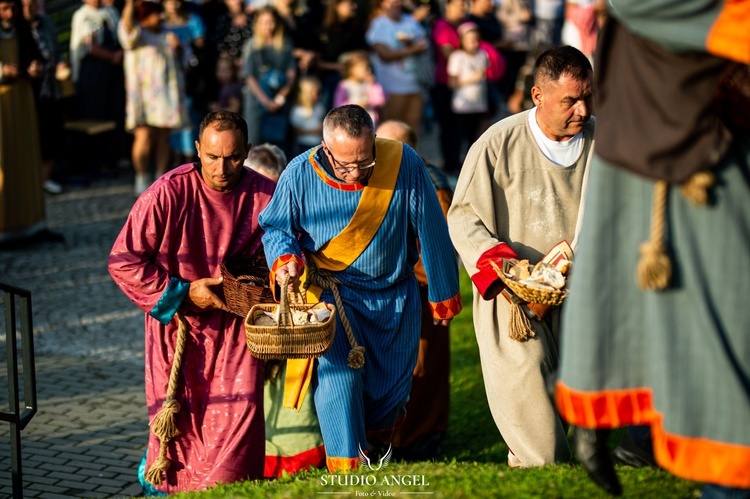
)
(518, 195)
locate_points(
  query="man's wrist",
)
(279, 99)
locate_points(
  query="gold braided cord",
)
(326, 280)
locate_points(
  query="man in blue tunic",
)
(351, 210)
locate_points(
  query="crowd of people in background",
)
(155, 68)
(311, 80)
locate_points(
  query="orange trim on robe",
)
(693, 458)
(729, 36)
(275, 466)
(447, 309)
(343, 464)
(342, 186)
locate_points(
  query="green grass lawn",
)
(474, 462)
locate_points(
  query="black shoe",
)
(635, 448)
(593, 454)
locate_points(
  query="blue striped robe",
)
(379, 291)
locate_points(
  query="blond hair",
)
(278, 31)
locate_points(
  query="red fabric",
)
(280, 262)
(697, 459)
(443, 33)
(277, 465)
(496, 67)
(181, 228)
(486, 275)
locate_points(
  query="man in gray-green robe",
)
(518, 195)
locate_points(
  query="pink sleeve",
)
(377, 95)
(132, 259)
(340, 96)
(441, 34)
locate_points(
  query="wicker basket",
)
(245, 283)
(287, 340)
(529, 294)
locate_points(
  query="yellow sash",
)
(338, 253)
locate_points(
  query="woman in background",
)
(96, 64)
(397, 39)
(190, 30)
(154, 85)
(340, 33)
(233, 30)
(268, 70)
(21, 198)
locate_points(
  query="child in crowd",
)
(467, 76)
(191, 31)
(358, 85)
(230, 90)
(306, 116)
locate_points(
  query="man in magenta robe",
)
(166, 258)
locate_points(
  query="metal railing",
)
(18, 417)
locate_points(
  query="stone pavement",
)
(90, 430)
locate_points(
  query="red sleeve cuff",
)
(280, 262)
(486, 279)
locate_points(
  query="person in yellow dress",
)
(22, 213)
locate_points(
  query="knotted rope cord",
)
(695, 189)
(163, 425)
(519, 326)
(326, 280)
(654, 270)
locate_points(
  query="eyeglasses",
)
(343, 168)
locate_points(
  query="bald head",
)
(397, 130)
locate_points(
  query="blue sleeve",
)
(170, 300)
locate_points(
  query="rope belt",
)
(163, 425)
(325, 279)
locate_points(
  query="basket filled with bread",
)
(534, 287)
(292, 329)
(540, 283)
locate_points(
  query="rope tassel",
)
(163, 425)
(326, 280)
(654, 269)
(519, 327)
(159, 467)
